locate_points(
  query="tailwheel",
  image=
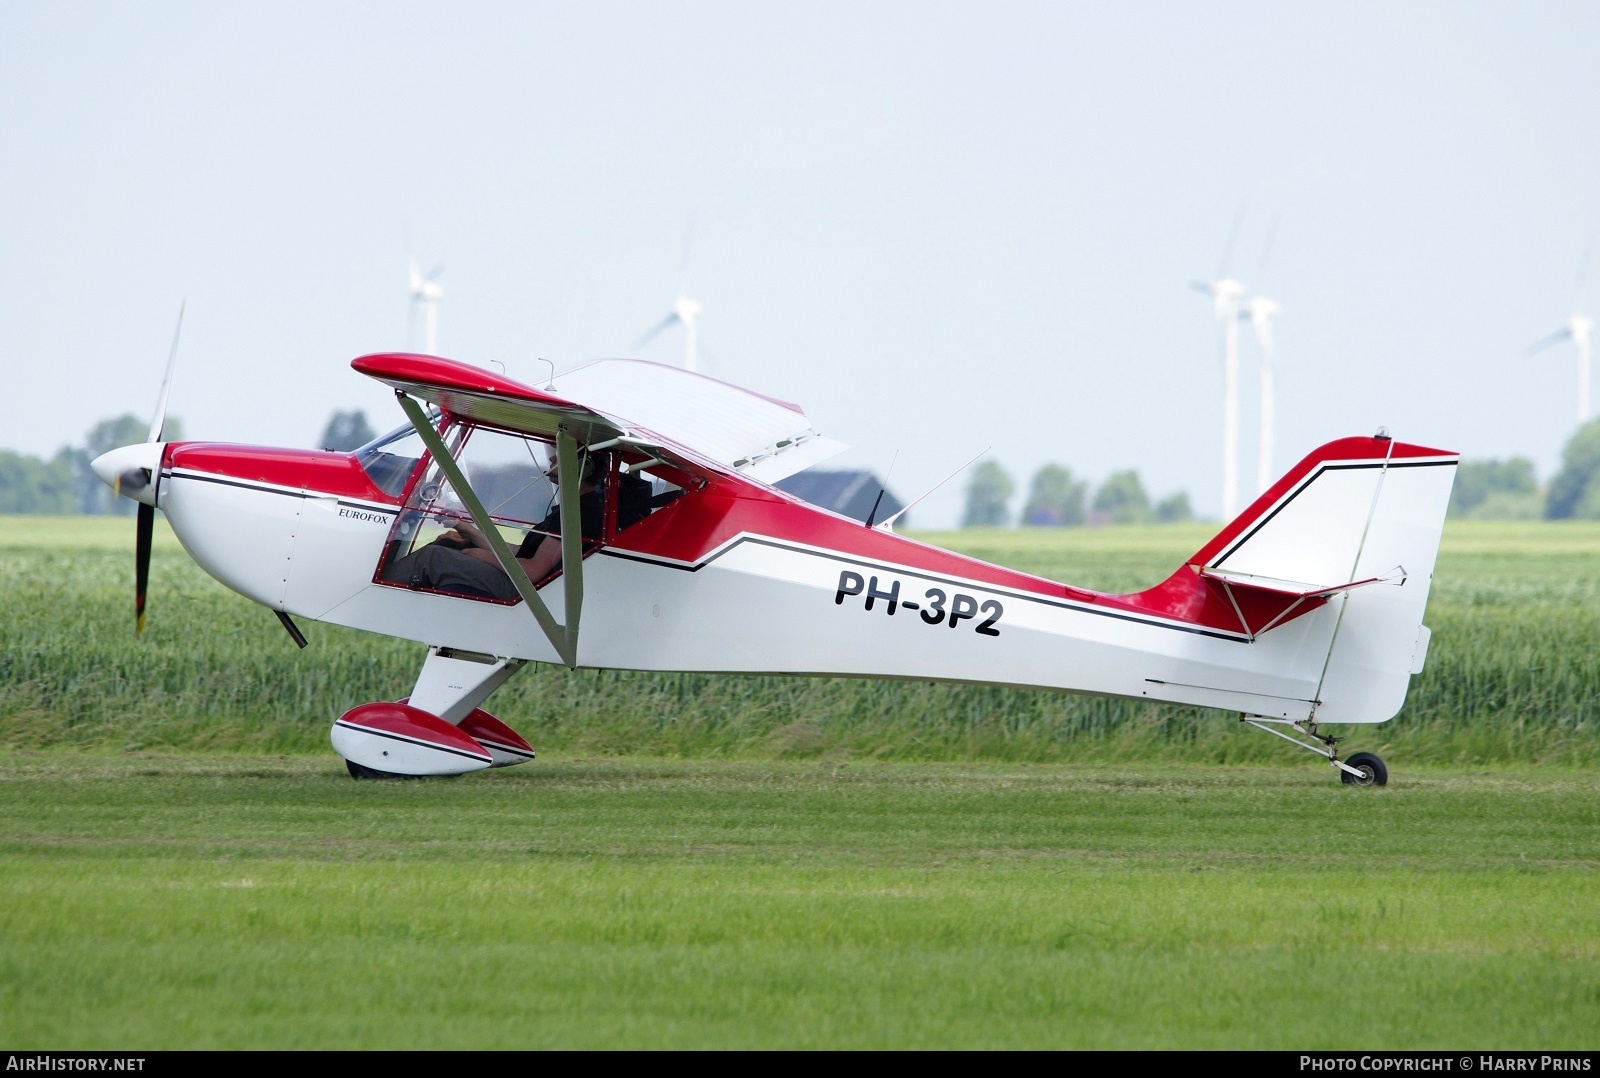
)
(1372, 771)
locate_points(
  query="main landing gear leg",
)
(1361, 769)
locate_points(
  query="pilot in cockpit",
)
(461, 561)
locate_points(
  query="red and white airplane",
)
(1305, 611)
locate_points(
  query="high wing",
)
(660, 410)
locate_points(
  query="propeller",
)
(135, 480)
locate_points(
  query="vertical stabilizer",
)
(1356, 509)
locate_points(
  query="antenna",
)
(936, 486)
(883, 489)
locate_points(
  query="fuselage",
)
(738, 577)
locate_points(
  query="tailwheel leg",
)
(1362, 769)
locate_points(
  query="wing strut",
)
(564, 638)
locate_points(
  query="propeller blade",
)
(1555, 338)
(141, 562)
(159, 423)
(656, 330)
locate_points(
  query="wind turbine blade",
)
(159, 422)
(1555, 338)
(1266, 252)
(656, 330)
(1583, 275)
(433, 274)
(1202, 286)
(1233, 235)
(688, 246)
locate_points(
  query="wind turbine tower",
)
(425, 294)
(1261, 311)
(1580, 331)
(1226, 294)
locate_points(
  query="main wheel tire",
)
(357, 771)
(1372, 770)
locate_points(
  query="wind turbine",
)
(1579, 331)
(684, 311)
(1226, 294)
(425, 293)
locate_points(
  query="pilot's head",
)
(593, 467)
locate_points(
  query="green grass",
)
(1513, 675)
(250, 902)
(741, 862)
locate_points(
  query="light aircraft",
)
(1304, 611)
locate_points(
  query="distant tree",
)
(1575, 489)
(1495, 489)
(1122, 500)
(988, 493)
(92, 495)
(31, 485)
(1055, 498)
(1174, 509)
(346, 431)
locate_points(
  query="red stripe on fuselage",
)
(326, 473)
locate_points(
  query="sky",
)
(941, 228)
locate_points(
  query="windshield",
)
(389, 459)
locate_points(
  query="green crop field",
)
(1513, 675)
(759, 862)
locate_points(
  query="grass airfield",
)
(232, 902)
(727, 862)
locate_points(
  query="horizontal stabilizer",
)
(1264, 602)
